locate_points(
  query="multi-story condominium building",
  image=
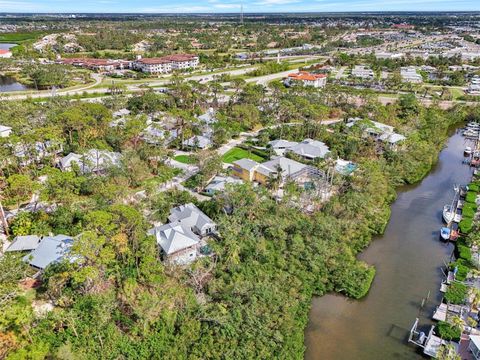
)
(167, 64)
(363, 72)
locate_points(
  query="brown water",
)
(408, 258)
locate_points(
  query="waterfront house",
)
(5, 131)
(288, 169)
(377, 131)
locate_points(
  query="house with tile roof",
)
(307, 79)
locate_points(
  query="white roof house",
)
(280, 145)
(379, 131)
(198, 141)
(194, 218)
(175, 237)
(181, 238)
(288, 167)
(93, 161)
(5, 131)
(51, 249)
(24, 243)
(310, 149)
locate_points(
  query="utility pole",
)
(4, 221)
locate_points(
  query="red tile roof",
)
(306, 76)
(168, 59)
(3, 51)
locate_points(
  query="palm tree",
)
(457, 322)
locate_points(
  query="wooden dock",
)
(440, 313)
(429, 343)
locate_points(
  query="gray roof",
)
(121, 112)
(66, 161)
(50, 250)
(191, 216)
(282, 144)
(288, 166)
(5, 128)
(392, 138)
(175, 237)
(218, 183)
(310, 148)
(246, 164)
(23, 243)
(198, 141)
(208, 117)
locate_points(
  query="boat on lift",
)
(450, 210)
(445, 233)
(467, 151)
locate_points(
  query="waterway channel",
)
(408, 258)
(9, 83)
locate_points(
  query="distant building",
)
(378, 132)
(5, 54)
(307, 79)
(388, 55)
(198, 141)
(5, 131)
(474, 86)
(362, 72)
(97, 64)
(166, 64)
(410, 74)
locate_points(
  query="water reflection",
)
(408, 259)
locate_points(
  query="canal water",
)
(408, 258)
(9, 83)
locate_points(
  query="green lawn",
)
(185, 159)
(236, 153)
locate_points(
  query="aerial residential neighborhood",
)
(255, 180)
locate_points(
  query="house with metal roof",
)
(177, 242)
(93, 161)
(50, 250)
(198, 141)
(280, 145)
(24, 243)
(310, 149)
(194, 218)
(218, 184)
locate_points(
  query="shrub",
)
(471, 197)
(448, 332)
(473, 187)
(456, 293)
(469, 210)
(464, 252)
(466, 225)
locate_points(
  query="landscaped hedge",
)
(466, 225)
(471, 197)
(456, 293)
(448, 332)
(469, 210)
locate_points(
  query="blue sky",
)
(189, 6)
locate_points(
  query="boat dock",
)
(429, 343)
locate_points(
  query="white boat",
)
(467, 151)
(445, 233)
(448, 214)
(473, 125)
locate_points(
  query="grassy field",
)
(236, 153)
(18, 37)
(185, 159)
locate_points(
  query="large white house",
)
(410, 74)
(93, 161)
(362, 72)
(181, 240)
(166, 64)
